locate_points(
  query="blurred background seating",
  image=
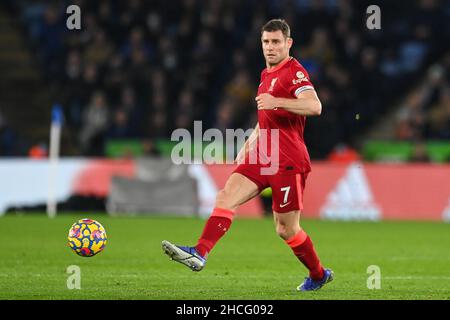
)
(137, 70)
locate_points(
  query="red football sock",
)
(217, 225)
(303, 249)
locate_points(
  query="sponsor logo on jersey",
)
(300, 78)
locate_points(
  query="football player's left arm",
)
(307, 103)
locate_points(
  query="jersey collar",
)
(280, 65)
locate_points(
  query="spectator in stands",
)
(158, 127)
(224, 118)
(240, 89)
(159, 48)
(115, 77)
(439, 116)
(184, 120)
(410, 119)
(99, 51)
(185, 100)
(90, 82)
(320, 49)
(132, 112)
(94, 126)
(136, 42)
(50, 40)
(120, 127)
(390, 65)
(414, 50)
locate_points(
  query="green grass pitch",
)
(250, 262)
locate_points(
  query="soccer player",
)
(285, 98)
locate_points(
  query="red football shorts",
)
(287, 187)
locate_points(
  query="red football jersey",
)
(286, 80)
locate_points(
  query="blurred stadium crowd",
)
(140, 69)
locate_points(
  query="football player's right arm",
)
(248, 145)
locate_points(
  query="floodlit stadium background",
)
(138, 70)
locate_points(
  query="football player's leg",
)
(288, 195)
(288, 228)
(238, 190)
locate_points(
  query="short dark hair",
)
(275, 25)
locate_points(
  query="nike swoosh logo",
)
(260, 84)
(284, 205)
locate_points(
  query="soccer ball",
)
(87, 237)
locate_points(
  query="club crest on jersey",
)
(301, 77)
(272, 84)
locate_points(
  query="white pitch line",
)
(419, 258)
(416, 278)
